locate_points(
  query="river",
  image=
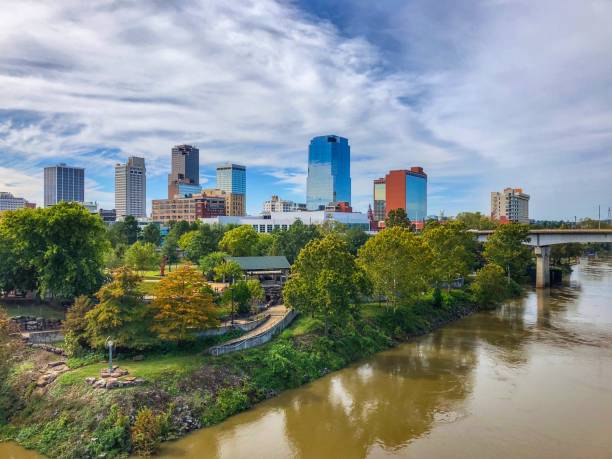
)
(532, 379)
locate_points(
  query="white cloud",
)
(522, 101)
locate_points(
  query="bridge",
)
(542, 239)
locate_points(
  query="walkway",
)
(280, 317)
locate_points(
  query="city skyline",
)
(409, 83)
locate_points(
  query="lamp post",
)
(109, 344)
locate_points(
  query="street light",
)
(109, 344)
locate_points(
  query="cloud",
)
(483, 94)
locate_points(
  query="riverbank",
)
(70, 419)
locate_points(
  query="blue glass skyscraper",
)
(329, 171)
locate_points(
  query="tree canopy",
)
(505, 248)
(183, 305)
(240, 241)
(398, 217)
(152, 234)
(289, 242)
(142, 256)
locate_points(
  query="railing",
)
(254, 341)
(256, 322)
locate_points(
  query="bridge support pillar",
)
(542, 254)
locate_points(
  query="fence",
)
(247, 326)
(254, 341)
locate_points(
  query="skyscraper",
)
(329, 171)
(380, 199)
(231, 178)
(407, 189)
(184, 177)
(131, 188)
(510, 205)
(64, 183)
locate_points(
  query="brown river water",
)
(532, 379)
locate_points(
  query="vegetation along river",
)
(532, 379)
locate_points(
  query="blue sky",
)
(483, 94)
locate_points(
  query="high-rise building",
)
(277, 204)
(407, 189)
(131, 188)
(380, 199)
(231, 178)
(329, 171)
(185, 169)
(64, 183)
(10, 202)
(510, 205)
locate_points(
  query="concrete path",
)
(277, 313)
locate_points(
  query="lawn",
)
(30, 309)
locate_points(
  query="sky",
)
(484, 94)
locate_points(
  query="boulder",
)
(90, 380)
(111, 383)
(56, 363)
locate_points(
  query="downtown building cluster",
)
(328, 193)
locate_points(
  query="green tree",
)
(209, 263)
(75, 323)
(152, 234)
(489, 287)
(228, 271)
(476, 221)
(169, 249)
(398, 263)
(58, 250)
(245, 294)
(453, 251)
(398, 217)
(505, 248)
(289, 242)
(240, 242)
(355, 239)
(183, 305)
(264, 244)
(325, 281)
(200, 242)
(142, 256)
(121, 314)
(124, 231)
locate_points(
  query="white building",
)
(10, 202)
(91, 206)
(277, 204)
(511, 205)
(283, 220)
(131, 188)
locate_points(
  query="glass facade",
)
(187, 189)
(329, 171)
(64, 183)
(380, 199)
(231, 178)
(416, 197)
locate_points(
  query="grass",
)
(303, 325)
(30, 309)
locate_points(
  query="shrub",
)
(230, 400)
(490, 287)
(146, 431)
(112, 436)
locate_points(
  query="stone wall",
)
(31, 323)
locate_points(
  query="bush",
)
(112, 436)
(146, 431)
(490, 287)
(230, 400)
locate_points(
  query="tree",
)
(398, 264)
(239, 242)
(183, 305)
(75, 323)
(228, 271)
(289, 242)
(355, 239)
(489, 287)
(142, 256)
(476, 221)
(325, 281)
(398, 217)
(124, 231)
(209, 263)
(200, 242)
(58, 250)
(244, 293)
(264, 244)
(169, 249)
(453, 251)
(152, 234)
(121, 313)
(505, 248)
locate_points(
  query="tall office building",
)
(329, 171)
(510, 205)
(64, 183)
(131, 188)
(184, 177)
(380, 199)
(231, 178)
(407, 189)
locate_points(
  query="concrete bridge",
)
(542, 239)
